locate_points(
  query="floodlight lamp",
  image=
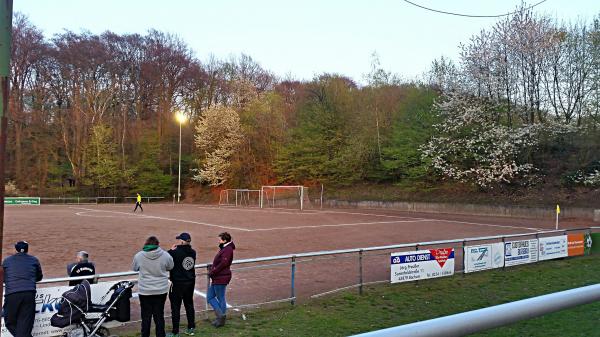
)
(180, 117)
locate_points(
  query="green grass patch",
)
(389, 305)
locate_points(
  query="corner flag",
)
(557, 213)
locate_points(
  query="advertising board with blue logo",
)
(520, 252)
(483, 257)
(553, 247)
(421, 264)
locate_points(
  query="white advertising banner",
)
(554, 247)
(520, 252)
(484, 257)
(421, 264)
(47, 303)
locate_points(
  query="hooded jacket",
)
(153, 267)
(184, 258)
(21, 272)
(220, 273)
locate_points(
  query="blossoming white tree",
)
(471, 145)
(218, 136)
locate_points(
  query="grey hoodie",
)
(153, 268)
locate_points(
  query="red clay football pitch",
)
(112, 234)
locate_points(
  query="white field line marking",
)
(335, 225)
(233, 208)
(305, 212)
(168, 219)
(369, 214)
(399, 221)
(85, 213)
(406, 219)
(491, 225)
(429, 219)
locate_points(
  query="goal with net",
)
(239, 197)
(284, 197)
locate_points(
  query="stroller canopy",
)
(74, 303)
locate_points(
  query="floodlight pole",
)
(179, 170)
(6, 13)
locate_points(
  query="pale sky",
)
(299, 38)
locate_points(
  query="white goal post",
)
(239, 197)
(272, 196)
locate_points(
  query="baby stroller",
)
(76, 308)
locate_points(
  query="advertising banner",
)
(21, 201)
(553, 247)
(422, 264)
(595, 243)
(484, 257)
(47, 304)
(520, 252)
(579, 244)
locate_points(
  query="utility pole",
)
(6, 13)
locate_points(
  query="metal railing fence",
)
(294, 259)
(469, 322)
(352, 258)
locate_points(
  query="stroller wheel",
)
(101, 332)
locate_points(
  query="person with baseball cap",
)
(21, 272)
(183, 278)
(82, 267)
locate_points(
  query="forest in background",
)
(517, 113)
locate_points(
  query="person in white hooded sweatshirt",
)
(153, 265)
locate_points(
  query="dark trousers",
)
(153, 306)
(182, 292)
(19, 313)
(138, 204)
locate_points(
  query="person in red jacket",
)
(220, 275)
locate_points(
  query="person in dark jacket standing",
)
(21, 272)
(220, 275)
(83, 267)
(183, 281)
(153, 265)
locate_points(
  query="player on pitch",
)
(138, 203)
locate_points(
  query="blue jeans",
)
(215, 296)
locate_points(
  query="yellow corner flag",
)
(557, 209)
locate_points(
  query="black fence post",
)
(360, 272)
(293, 281)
